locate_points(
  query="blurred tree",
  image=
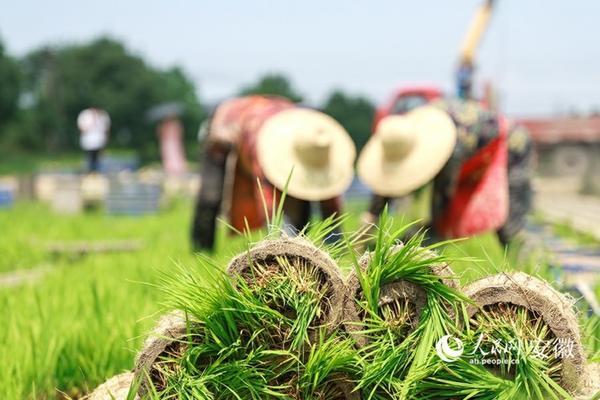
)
(10, 79)
(355, 113)
(61, 81)
(273, 84)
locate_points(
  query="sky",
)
(543, 56)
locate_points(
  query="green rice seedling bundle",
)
(521, 341)
(158, 357)
(263, 330)
(282, 323)
(295, 278)
(401, 299)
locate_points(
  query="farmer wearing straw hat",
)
(265, 138)
(479, 165)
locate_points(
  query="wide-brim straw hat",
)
(311, 146)
(407, 151)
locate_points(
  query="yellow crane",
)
(466, 66)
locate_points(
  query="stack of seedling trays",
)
(131, 197)
(66, 194)
(6, 197)
(284, 322)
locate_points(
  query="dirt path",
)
(558, 202)
(72, 249)
(16, 278)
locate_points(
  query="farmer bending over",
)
(480, 166)
(263, 138)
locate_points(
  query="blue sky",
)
(544, 56)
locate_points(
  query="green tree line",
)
(42, 93)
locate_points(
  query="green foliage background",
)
(10, 86)
(58, 82)
(355, 113)
(274, 85)
(42, 93)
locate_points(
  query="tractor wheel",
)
(570, 160)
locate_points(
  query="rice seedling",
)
(329, 371)
(222, 351)
(405, 300)
(257, 331)
(254, 337)
(294, 288)
(521, 342)
(85, 320)
(528, 346)
(591, 337)
(228, 376)
(509, 353)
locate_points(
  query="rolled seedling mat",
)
(390, 293)
(116, 388)
(296, 251)
(538, 297)
(166, 341)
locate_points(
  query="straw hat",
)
(314, 145)
(407, 151)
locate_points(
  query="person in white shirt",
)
(94, 124)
